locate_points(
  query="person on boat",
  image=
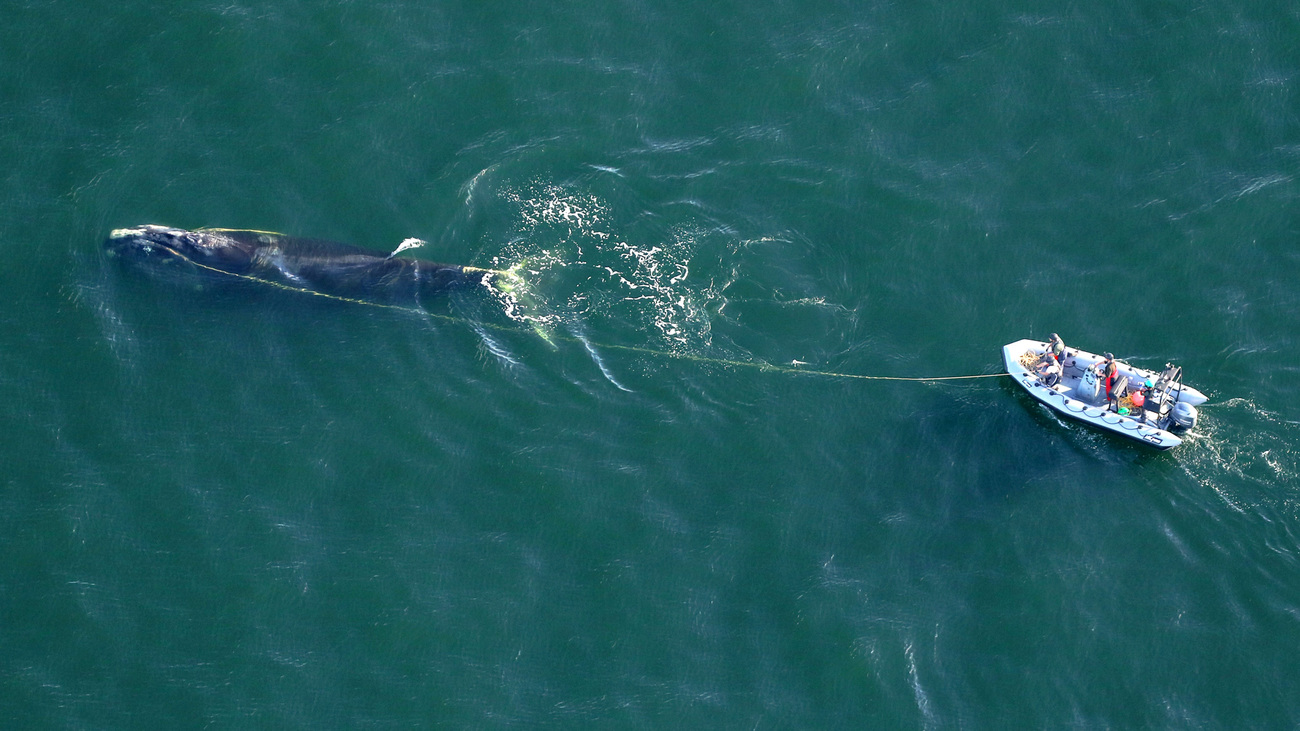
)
(1139, 402)
(1108, 372)
(1056, 347)
(1049, 369)
(1142, 399)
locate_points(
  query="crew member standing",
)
(1108, 373)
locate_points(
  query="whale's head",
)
(153, 245)
(163, 249)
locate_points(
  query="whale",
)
(324, 267)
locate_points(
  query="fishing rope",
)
(691, 357)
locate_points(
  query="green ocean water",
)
(241, 507)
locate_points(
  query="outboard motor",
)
(1184, 415)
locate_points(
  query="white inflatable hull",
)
(1063, 398)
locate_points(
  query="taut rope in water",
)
(761, 366)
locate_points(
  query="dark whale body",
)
(306, 264)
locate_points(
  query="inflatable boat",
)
(1149, 406)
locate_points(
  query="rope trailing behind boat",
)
(507, 276)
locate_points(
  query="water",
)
(239, 506)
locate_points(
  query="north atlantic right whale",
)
(305, 264)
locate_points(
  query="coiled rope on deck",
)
(756, 365)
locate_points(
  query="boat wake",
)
(1245, 454)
